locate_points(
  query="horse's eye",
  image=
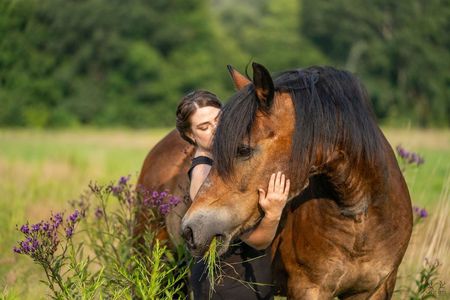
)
(244, 152)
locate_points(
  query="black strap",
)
(199, 160)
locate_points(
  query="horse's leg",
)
(302, 288)
(386, 289)
(383, 292)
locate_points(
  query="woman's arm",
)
(272, 204)
(199, 174)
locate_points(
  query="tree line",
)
(128, 63)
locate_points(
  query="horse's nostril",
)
(188, 236)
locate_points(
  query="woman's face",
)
(203, 126)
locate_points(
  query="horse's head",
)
(267, 126)
(252, 141)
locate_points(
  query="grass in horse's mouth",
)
(212, 262)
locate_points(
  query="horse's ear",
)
(239, 80)
(264, 87)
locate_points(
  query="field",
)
(41, 170)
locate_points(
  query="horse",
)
(348, 220)
(165, 169)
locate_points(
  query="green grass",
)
(42, 170)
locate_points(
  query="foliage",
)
(66, 63)
(110, 264)
(427, 284)
(399, 48)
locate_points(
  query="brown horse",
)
(165, 168)
(348, 222)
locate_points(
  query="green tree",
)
(400, 48)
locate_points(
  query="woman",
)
(247, 260)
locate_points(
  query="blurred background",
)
(108, 63)
(87, 87)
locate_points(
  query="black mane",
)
(332, 113)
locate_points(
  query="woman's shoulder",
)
(199, 160)
(202, 160)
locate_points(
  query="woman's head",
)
(197, 116)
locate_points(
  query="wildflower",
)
(24, 229)
(57, 220)
(419, 214)
(36, 227)
(69, 232)
(73, 217)
(423, 213)
(98, 213)
(123, 180)
(164, 208)
(46, 227)
(402, 152)
(409, 157)
(173, 200)
(116, 190)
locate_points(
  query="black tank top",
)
(199, 160)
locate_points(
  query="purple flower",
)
(57, 220)
(35, 227)
(123, 180)
(98, 213)
(402, 152)
(69, 232)
(25, 247)
(173, 200)
(24, 229)
(164, 208)
(409, 157)
(423, 213)
(17, 250)
(46, 226)
(155, 195)
(116, 190)
(34, 245)
(420, 212)
(73, 217)
(163, 194)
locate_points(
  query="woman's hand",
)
(275, 199)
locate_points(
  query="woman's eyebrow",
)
(203, 123)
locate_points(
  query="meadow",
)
(42, 170)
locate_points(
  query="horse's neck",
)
(354, 187)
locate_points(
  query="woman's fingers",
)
(286, 189)
(271, 186)
(282, 183)
(278, 184)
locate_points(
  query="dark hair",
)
(188, 105)
(332, 112)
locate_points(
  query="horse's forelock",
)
(235, 125)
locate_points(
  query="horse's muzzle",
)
(199, 230)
